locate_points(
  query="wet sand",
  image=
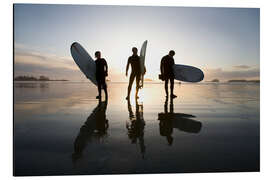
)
(60, 129)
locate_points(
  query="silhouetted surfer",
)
(136, 125)
(101, 73)
(166, 68)
(134, 61)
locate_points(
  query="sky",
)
(223, 42)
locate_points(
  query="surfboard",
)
(187, 73)
(142, 62)
(84, 61)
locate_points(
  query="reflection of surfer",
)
(136, 125)
(170, 120)
(101, 73)
(134, 61)
(95, 125)
(166, 68)
(165, 124)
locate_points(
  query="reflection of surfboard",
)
(85, 62)
(174, 115)
(187, 73)
(187, 125)
(142, 61)
(181, 122)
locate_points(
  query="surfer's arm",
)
(161, 66)
(127, 67)
(106, 68)
(144, 71)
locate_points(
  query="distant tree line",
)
(243, 80)
(32, 78)
(236, 80)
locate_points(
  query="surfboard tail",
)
(142, 63)
(141, 82)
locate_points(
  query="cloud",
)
(242, 67)
(50, 61)
(53, 73)
(29, 62)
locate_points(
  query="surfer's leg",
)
(137, 85)
(166, 86)
(105, 90)
(131, 79)
(99, 91)
(172, 87)
(172, 84)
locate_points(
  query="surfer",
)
(101, 73)
(134, 61)
(166, 68)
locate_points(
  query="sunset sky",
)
(223, 42)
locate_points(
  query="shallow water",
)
(60, 128)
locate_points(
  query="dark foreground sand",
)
(60, 128)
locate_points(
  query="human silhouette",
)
(96, 126)
(101, 73)
(134, 61)
(166, 69)
(135, 126)
(170, 120)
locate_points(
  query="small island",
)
(215, 80)
(243, 80)
(32, 78)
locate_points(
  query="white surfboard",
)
(187, 73)
(142, 62)
(84, 61)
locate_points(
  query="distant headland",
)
(243, 80)
(32, 78)
(235, 80)
(215, 80)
